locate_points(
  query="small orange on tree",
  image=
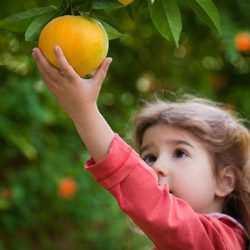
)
(6, 194)
(126, 2)
(242, 42)
(67, 188)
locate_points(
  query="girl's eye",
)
(179, 153)
(149, 159)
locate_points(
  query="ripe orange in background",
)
(219, 80)
(67, 188)
(6, 194)
(242, 42)
(126, 2)
(83, 40)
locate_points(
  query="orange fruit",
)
(242, 42)
(219, 80)
(67, 188)
(83, 40)
(126, 2)
(6, 193)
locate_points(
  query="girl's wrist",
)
(94, 131)
(85, 114)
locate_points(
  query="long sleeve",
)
(169, 222)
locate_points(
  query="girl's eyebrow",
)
(173, 142)
(178, 142)
(146, 147)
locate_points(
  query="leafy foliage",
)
(39, 146)
(165, 15)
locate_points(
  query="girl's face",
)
(183, 163)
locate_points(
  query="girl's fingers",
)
(102, 71)
(65, 68)
(43, 65)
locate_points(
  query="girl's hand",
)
(74, 94)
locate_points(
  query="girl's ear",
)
(225, 181)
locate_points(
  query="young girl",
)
(190, 186)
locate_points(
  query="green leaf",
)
(106, 4)
(34, 29)
(166, 17)
(20, 21)
(207, 12)
(111, 31)
(4, 204)
(24, 145)
(85, 6)
(137, 8)
(65, 7)
(18, 138)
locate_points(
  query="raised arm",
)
(78, 98)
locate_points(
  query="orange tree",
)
(165, 15)
(39, 148)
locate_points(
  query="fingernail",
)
(33, 52)
(57, 49)
(110, 59)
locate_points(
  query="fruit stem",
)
(72, 10)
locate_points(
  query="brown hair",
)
(225, 136)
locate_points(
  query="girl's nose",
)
(161, 168)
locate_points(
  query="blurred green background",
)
(39, 146)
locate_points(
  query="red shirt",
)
(169, 222)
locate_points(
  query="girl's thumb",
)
(102, 71)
